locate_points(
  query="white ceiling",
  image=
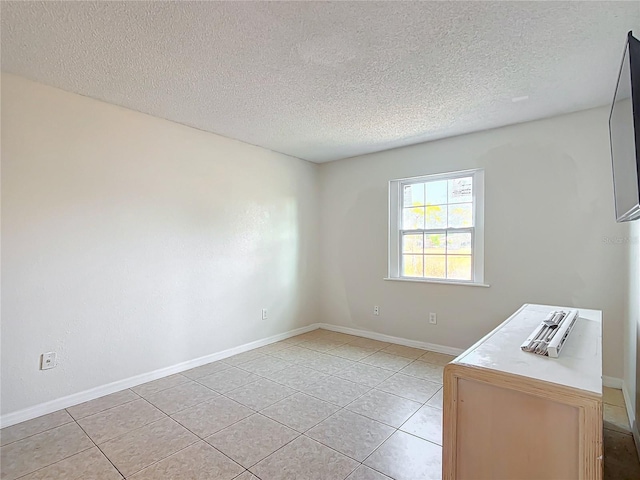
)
(322, 80)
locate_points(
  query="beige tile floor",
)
(322, 405)
(620, 454)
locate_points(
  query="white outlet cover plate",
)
(48, 361)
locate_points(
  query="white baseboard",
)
(636, 437)
(388, 338)
(74, 399)
(630, 404)
(612, 382)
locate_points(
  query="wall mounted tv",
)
(624, 133)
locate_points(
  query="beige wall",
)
(130, 243)
(550, 234)
(632, 328)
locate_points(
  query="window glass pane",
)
(459, 243)
(412, 243)
(413, 195)
(436, 217)
(412, 265)
(459, 267)
(434, 266)
(460, 190)
(461, 215)
(434, 243)
(436, 192)
(413, 218)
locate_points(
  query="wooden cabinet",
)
(510, 414)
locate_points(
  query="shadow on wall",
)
(537, 225)
(363, 252)
(538, 233)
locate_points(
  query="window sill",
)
(440, 282)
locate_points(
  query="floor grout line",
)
(96, 445)
(341, 408)
(629, 433)
(105, 409)
(42, 431)
(315, 340)
(296, 390)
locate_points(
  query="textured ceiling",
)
(324, 80)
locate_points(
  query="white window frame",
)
(477, 237)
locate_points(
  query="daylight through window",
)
(437, 227)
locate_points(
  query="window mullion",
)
(416, 190)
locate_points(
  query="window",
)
(436, 228)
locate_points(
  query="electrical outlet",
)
(264, 313)
(48, 360)
(433, 319)
(376, 310)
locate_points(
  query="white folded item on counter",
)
(552, 333)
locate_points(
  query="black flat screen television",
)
(624, 134)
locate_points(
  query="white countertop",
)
(579, 365)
